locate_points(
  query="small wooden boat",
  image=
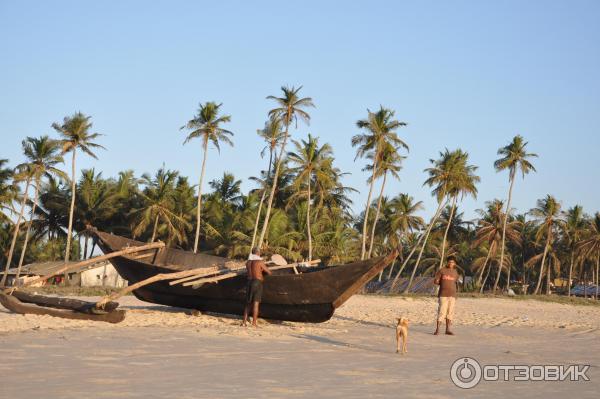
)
(23, 303)
(312, 295)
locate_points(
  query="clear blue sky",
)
(461, 74)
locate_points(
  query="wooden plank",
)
(208, 272)
(158, 277)
(142, 256)
(226, 275)
(196, 283)
(91, 261)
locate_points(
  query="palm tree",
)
(96, 201)
(7, 191)
(291, 107)
(23, 174)
(590, 247)
(398, 219)
(463, 184)
(490, 232)
(514, 158)
(450, 176)
(307, 164)
(403, 218)
(574, 229)
(42, 156)
(548, 215)
(207, 126)
(158, 206)
(390, 162)
(380, 132)
(272, 133)
(75, 133)
(227, 189)
(52, 211)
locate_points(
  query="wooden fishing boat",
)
(312, 295)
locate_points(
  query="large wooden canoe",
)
(310, 296)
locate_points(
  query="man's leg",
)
(246, 310)
(442, 310)
(255, 313)
(450, 315)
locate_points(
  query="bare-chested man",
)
(255, 267)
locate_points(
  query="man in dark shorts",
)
(255, 267)
(446, 278)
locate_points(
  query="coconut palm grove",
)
(299, 206)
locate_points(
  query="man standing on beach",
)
(255, 267)
(446, 278)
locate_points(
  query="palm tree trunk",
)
(546, 247)
(308, 222)
(24, 249)
(414, 248)
(262, 200)
(154, 229)
(199, 205)
(570, 273)
(498, 277)
(365, 221)
(597, 277)
(85, 247)
(71, 211)
(433, 220)
(452, 208)
(389, 276)
(15, 233)
(391, 269)
(548, 273)
(487, 258)
(274, 186)
(504, 223)
(376, 217)
(485, 279)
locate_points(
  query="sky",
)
(461, 74)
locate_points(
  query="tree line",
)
(299, 206)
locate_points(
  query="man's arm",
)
(248, 271)
(265, 269)
(436, 279)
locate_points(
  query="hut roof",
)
(43, 268)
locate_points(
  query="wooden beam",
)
(158, 277)
(213, 270)
(197, 283)
(91, 261)
(228, 274)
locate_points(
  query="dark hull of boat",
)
(311, 296)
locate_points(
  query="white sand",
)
(363, 309)
(164, 352)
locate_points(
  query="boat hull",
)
(311, 296)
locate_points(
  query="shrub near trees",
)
(299, 206)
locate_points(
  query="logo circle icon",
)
(465, 372)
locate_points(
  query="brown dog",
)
(402, 333)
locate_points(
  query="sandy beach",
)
(165, 352)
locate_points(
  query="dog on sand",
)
(402, 334)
